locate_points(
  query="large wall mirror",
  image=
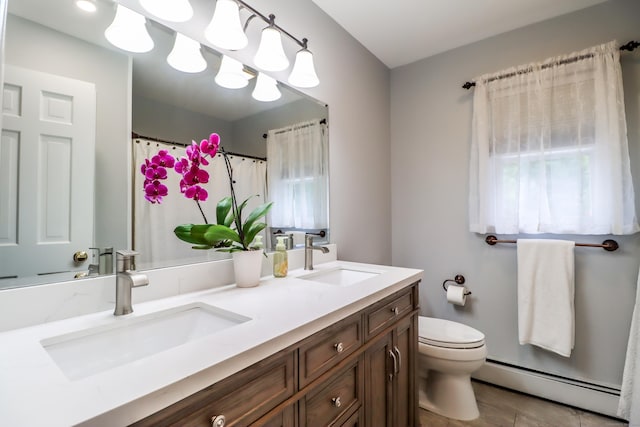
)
(78, 113)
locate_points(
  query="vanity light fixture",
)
(186, 56)
(270, 55)
(128, 31)
(231, 74)
(169, 10)
(225, 30)
(304, 73)
(87, 5)
(266, 89)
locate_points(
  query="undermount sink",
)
(91, 351)
(340, 276)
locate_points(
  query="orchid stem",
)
(202, 212)
(234, 202)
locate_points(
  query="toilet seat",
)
(448, 334)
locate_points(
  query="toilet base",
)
(455, 398)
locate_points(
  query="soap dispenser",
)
(258, 243)
(280, 259)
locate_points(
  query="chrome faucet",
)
(308, 251)
(126, 279)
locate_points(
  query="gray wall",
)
(430, 141)
(155, 119)
(33, 46)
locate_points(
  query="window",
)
(549, 149)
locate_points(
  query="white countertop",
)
(35, 392)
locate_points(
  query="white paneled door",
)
(47, 163)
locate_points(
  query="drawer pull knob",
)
(218, 421)
(336, 402)
(339, 347)
(395, 310)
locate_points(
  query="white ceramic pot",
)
(247, 266)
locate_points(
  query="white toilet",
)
(449, 353)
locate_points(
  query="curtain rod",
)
(182, 144)
(322, 122)
(630, 46)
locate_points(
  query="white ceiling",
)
(400, 32)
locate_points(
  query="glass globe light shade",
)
(270, 55)
(169, 10)
(266, 89)
(225, 30)
(304, 73)
(186, 56)
(231, 74)
(128, 31)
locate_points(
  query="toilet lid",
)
(445, 333)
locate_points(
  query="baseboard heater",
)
(589, 396)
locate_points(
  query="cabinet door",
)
(379, 382)
(404, 346)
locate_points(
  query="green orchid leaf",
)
(241, 207)
(217, 233)
(255, 215)
(191, 233)
(222, 211)
(253, 231)
(202, 247)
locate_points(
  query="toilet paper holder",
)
(459, 279)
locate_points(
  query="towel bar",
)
(608, 245)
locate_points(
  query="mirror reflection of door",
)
(47, 154)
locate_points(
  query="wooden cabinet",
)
(238, 400)
(360, 371)
(333, 402)
(390, 367)
(325, 349)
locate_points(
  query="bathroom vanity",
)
(359, 371)
(336, 346)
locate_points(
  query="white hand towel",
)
(546, 294)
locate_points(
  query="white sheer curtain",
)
(549, 148)
(154, 223)
(298, 175)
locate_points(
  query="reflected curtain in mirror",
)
(549, 148)
(298, 175)
(154, 223)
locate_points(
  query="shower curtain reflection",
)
(153, 234)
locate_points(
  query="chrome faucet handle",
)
(127, 253)
(125, 260)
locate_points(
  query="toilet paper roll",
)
(457, 294)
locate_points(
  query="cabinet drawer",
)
(353, 420)
(325, 349)
(241, 398)
(341, 395)
(388, 311)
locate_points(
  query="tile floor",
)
(504, 408)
